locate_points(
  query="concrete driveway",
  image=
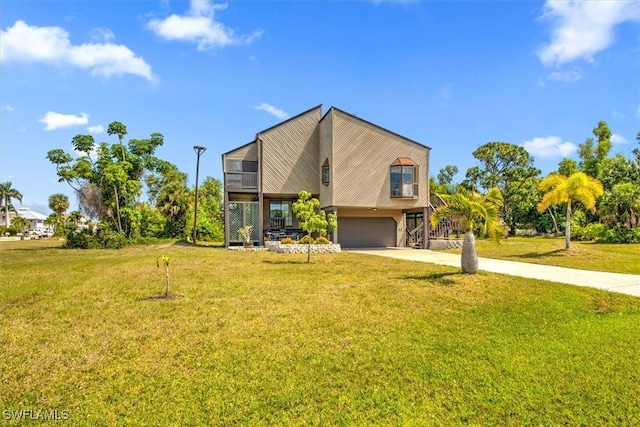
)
(615, 282)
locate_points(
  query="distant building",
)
(36, 219)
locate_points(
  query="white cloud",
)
(618, 139)
(7, 107)
(549, 147)
(25, 43)
(101, 35)
(272, 110)
(54, 121)
(95, 129)
(583, 28)
(566, 76)
(199, 26)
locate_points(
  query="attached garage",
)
(366, 232)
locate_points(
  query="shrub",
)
(622, 235)
(593, 231)
(81, 240)
(104, 238)
(305, 240)
(287, 241)
(322, 241)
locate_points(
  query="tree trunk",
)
(567, 233)
(309, 252)
(469, 259)
(115, 189)
(555, 223)
(6, 213)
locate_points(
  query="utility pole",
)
(199, 150)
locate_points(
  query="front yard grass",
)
(267, 339)
(614, 258)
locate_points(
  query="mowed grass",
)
(266, 339)
(615, 258)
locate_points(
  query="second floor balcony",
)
(241, 180)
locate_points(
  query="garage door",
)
(366, 232)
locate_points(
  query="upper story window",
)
(404, 178)
(325, 172)
(235, 165)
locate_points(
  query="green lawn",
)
(266, 339)
(550, 251)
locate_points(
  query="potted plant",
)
(245, 234)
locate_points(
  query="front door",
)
(413, 220)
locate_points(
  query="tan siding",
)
(246, 152)
(290, 155)
(363, 154)
(326, 152)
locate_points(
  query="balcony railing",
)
(241, 180)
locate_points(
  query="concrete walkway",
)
(615, 282)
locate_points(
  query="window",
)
(404, 178)
(234, 165)
(281, 209)
(325, 172)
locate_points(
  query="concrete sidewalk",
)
(615, 282)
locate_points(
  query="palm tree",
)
(559, 189)
(59, 203)
(7, 193)
(477, 212)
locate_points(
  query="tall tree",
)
(446, 174)
(567, 167)
(560, 189)
(59, 203)
(7, 194)
(476, 211)
(169, 192)
(592, 152)
(509, 168)
(110, 185)
(210, 210)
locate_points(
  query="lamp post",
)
(199, 150)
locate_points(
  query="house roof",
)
(322, 118)
(376, 126)
(29, 214)
(238, 148)
(290, 119)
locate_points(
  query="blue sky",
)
(450, 74)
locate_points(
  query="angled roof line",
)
(290, 118)
(378, 126)
(237, 148)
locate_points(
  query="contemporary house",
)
(375, 180)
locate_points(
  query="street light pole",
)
(199, 150)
